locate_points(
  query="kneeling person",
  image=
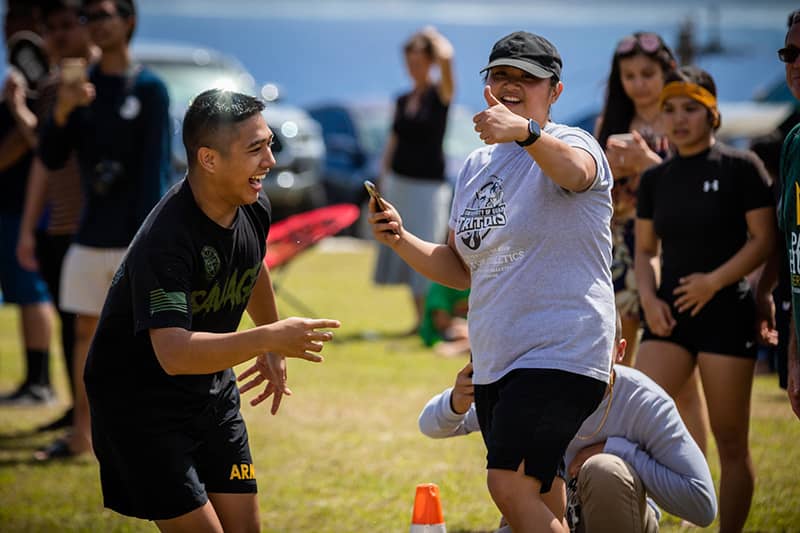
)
(167, 430)
(634, 445)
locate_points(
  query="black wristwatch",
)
(534, 132)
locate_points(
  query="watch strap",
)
(534, 132)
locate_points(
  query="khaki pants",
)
(612, 498)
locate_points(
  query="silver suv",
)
(294, 184)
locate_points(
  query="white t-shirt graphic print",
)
(540, 262)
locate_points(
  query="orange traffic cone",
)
(427, 516)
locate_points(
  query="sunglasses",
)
(788, 54)
(647, 42)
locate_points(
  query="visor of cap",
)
(531, 68)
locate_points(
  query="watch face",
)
(534, 132)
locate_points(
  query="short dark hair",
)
(210, 116)
(794, 18)
(698, 76)
(125, 9)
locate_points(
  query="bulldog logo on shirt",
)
(487, 211)
(211, 261)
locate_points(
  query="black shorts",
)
(725, 325)
(157, 474)
(532, 414)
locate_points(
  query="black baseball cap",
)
(526, 51)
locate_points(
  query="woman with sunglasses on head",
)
(630, 129)
(705, 219)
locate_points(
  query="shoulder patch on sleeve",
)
(161, 301)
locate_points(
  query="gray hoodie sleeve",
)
(658, 446)
(437, 419)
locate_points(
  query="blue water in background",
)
(318, 50)
(323, 50)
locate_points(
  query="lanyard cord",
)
(605, 413)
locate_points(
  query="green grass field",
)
(344, 453)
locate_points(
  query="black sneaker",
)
(29, 396)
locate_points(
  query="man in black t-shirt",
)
(166, 425)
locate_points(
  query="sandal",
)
(59, 449)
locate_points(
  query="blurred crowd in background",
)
(75, 193)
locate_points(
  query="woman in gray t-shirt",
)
(530, 234)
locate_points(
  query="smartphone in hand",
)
(73, 70)
(373, 192)
(626, 138)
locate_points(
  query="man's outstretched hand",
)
(290, 337)
(271, 368)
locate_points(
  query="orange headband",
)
(693, 91)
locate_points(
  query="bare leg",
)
(518, 498)
(81, 438)
(691, 404)
(201, 520)
(673, 367)
(419, 309)
(666, 363)
(237, 512)
(728, 382)
(556, 500)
